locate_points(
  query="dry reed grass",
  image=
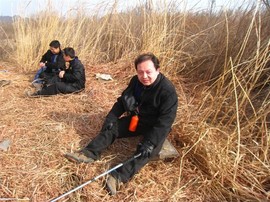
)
(41, 130)
(222, 126)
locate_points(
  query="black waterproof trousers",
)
(57, 88)
(120, 130)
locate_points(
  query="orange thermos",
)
(133, 123)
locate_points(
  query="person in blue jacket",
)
(51, 63)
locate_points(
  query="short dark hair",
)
(69, 52)
(147, 56)
(55, 44)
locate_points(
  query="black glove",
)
(145, 148)
(129, 101)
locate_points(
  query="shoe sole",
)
(31, 96)
(109, 188)
(75, 159)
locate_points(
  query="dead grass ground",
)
(41, 130)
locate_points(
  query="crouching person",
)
(151, 98)
(70, 80)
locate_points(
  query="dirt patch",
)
(41, 130)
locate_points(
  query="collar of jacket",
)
(72, 62)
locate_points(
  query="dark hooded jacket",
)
(156, 106)
(75, 74)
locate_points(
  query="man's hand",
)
(145, 148)
(61, 74)
(42, 64)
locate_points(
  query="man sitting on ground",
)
(51, 63)
(67, 81)
(151, 100)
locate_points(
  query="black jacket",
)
(59, 64)
(75, 74)
(157, 107)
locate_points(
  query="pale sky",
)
(28, 7)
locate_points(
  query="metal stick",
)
(95, 178)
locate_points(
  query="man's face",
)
(147, 73)
(54, 50)
(66, 57)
